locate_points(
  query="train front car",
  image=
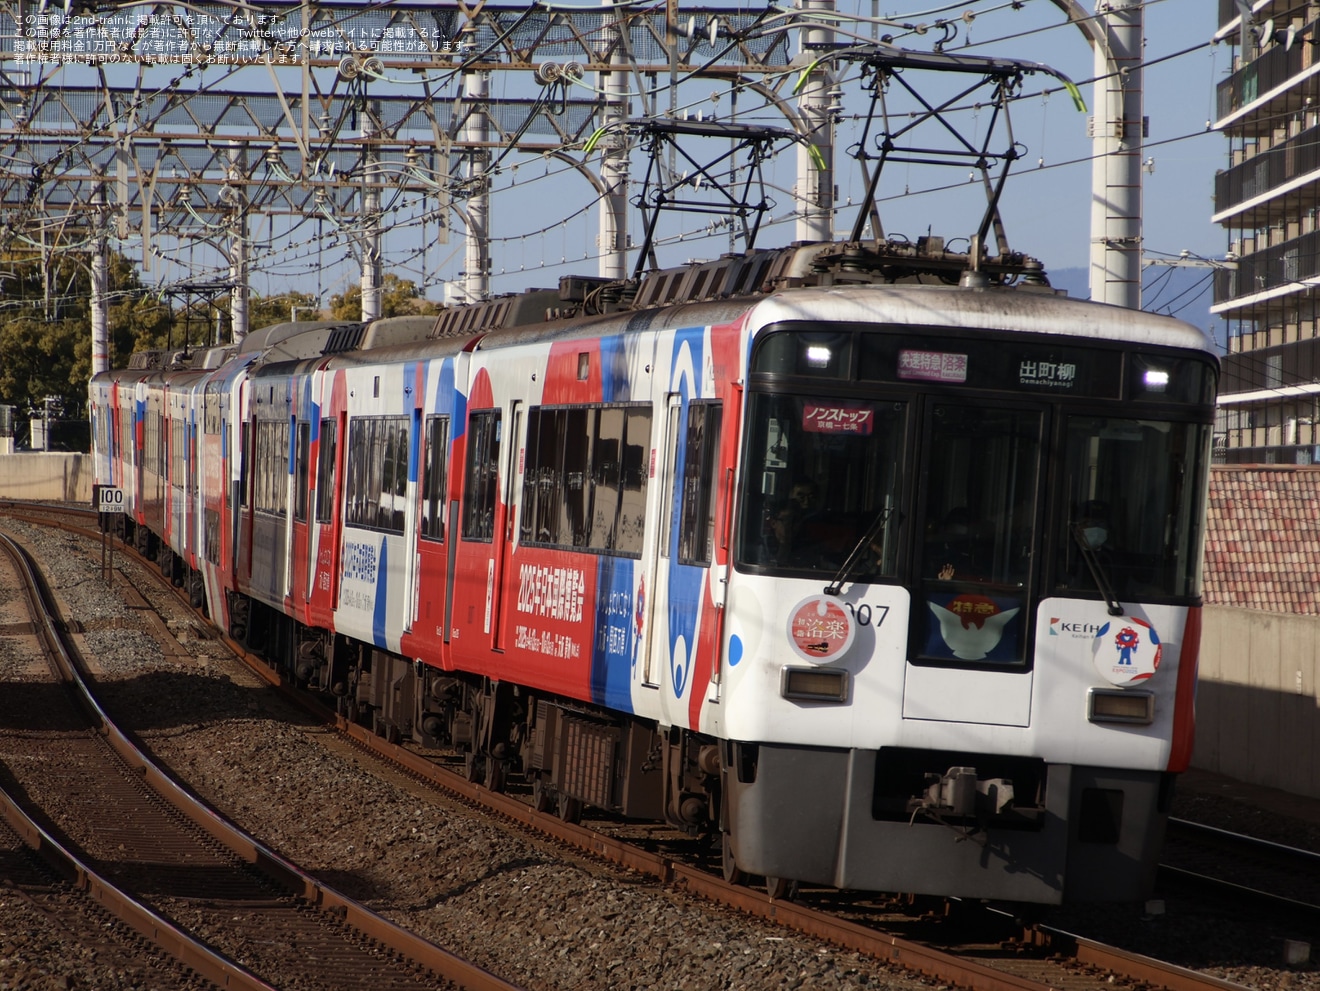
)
(961, 629)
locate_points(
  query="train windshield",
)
(822, 480)
(1134, 490)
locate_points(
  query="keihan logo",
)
(1079, 630)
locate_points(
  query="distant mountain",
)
(1186, 293)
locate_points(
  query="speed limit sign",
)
(109, 499)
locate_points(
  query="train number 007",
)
(865, 615)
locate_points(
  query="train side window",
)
(303, 471)
(271, 463)
(584, 483)
(696, 521)
(606, 474)
(632, 482)
(480, 484)
(575, 513)
(543, 478)
(377, 473)
(244, 462)
(393, 476)
(211, 538)
(436, 459)
(178, 452)
(325, 471)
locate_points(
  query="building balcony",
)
(1269, 88)
(1285, 178)
(1291, 266)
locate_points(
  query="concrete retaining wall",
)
(1257, 707)
(46, 477)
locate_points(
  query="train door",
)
(671, 445)
(971, 622)
(412, 517)
(473, 588)
(298, 541)
(684, 581)
(505, 528)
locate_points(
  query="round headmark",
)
(820, 630)
(1127, 651)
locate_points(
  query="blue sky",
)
(1046, 208)
(544, 226)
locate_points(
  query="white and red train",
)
(890, 585)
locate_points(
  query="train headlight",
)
(1155, 380)
(814, 684)
(1104, 705)
(818, 356)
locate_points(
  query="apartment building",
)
(1268, 199)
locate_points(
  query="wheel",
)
(495, 774)
(540, 794)
(781, 888)
(732, 872)
(473, 767)
(569, 809)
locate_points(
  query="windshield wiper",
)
(1097, 570)
(859, 551)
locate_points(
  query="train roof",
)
(989, 308)
(914, 283)
(292, 341)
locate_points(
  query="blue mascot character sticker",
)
(1127, 652)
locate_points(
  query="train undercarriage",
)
(571, 753)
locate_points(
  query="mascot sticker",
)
(973, 628)
(820, 629)
(1127, 651)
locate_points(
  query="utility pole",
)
(238, 267)
(100, 285)
(1118, 129)
(476, 134)
(815, 186)
(370, 239)
(613, 237)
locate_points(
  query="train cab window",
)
(977, 521)
(302, 468)
(821, 486)
(435, 461)
(325, 470)
(1128, 532)
(698, 455)
(481, 478)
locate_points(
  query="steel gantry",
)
(158, 123)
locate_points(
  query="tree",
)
(398, 298)
(40, 358)
(266, 310)
(45, 325)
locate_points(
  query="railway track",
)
(1270, 876)
(77, 788)
(1010, 958)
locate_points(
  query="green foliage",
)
(46, 328)
(399, 297)
(40, 358)
(264, 311)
